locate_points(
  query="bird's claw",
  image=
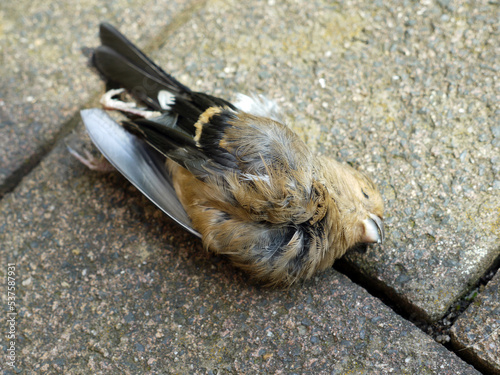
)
(109, 103)
(95, 164)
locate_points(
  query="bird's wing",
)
(228, 142)
(138, 162)
(199, 131)
(209, 136)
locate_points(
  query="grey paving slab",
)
(44, 79)
(106, 285)
(423, 81)
(407, 92)
(476, 334)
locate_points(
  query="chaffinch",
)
(235, 174)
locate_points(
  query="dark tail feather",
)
(122, 62)
(117, 69)
(113, 39)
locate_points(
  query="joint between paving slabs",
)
(439, 330)
(34, 160)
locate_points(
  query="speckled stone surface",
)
(109, 285)
(404, 91)
(426, 84)
(476, 334)
(44, 78)
(407, 92)
(106, 284)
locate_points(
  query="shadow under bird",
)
(231, 173)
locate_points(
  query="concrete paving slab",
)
(106, 285)
(476, 334)
(407, 92)
(422, 79)
(44, 78)
(409, 84)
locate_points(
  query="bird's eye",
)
(366, 195)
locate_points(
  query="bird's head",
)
(368, 209)
(359, 203)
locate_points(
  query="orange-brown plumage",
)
(250, 186)
(332, 209)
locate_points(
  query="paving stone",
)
(476, 334)
(403, 82)
(425, 82)
(106, 284)
(404, 91)
(44, 78)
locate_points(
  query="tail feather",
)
(113, 39)
(121, 62)
(139, 83)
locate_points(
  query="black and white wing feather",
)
(143, 166)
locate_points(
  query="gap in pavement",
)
(439, 330)
(34, 160)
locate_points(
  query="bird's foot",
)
(109, 103)
(95, 164)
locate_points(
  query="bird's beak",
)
(374, 229)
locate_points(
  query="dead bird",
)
(235, 174)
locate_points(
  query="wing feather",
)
(138, 162)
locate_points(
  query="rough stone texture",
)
(106, 284)
(406, 91)
(426, 84)
(476, 334)
(44, 78)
